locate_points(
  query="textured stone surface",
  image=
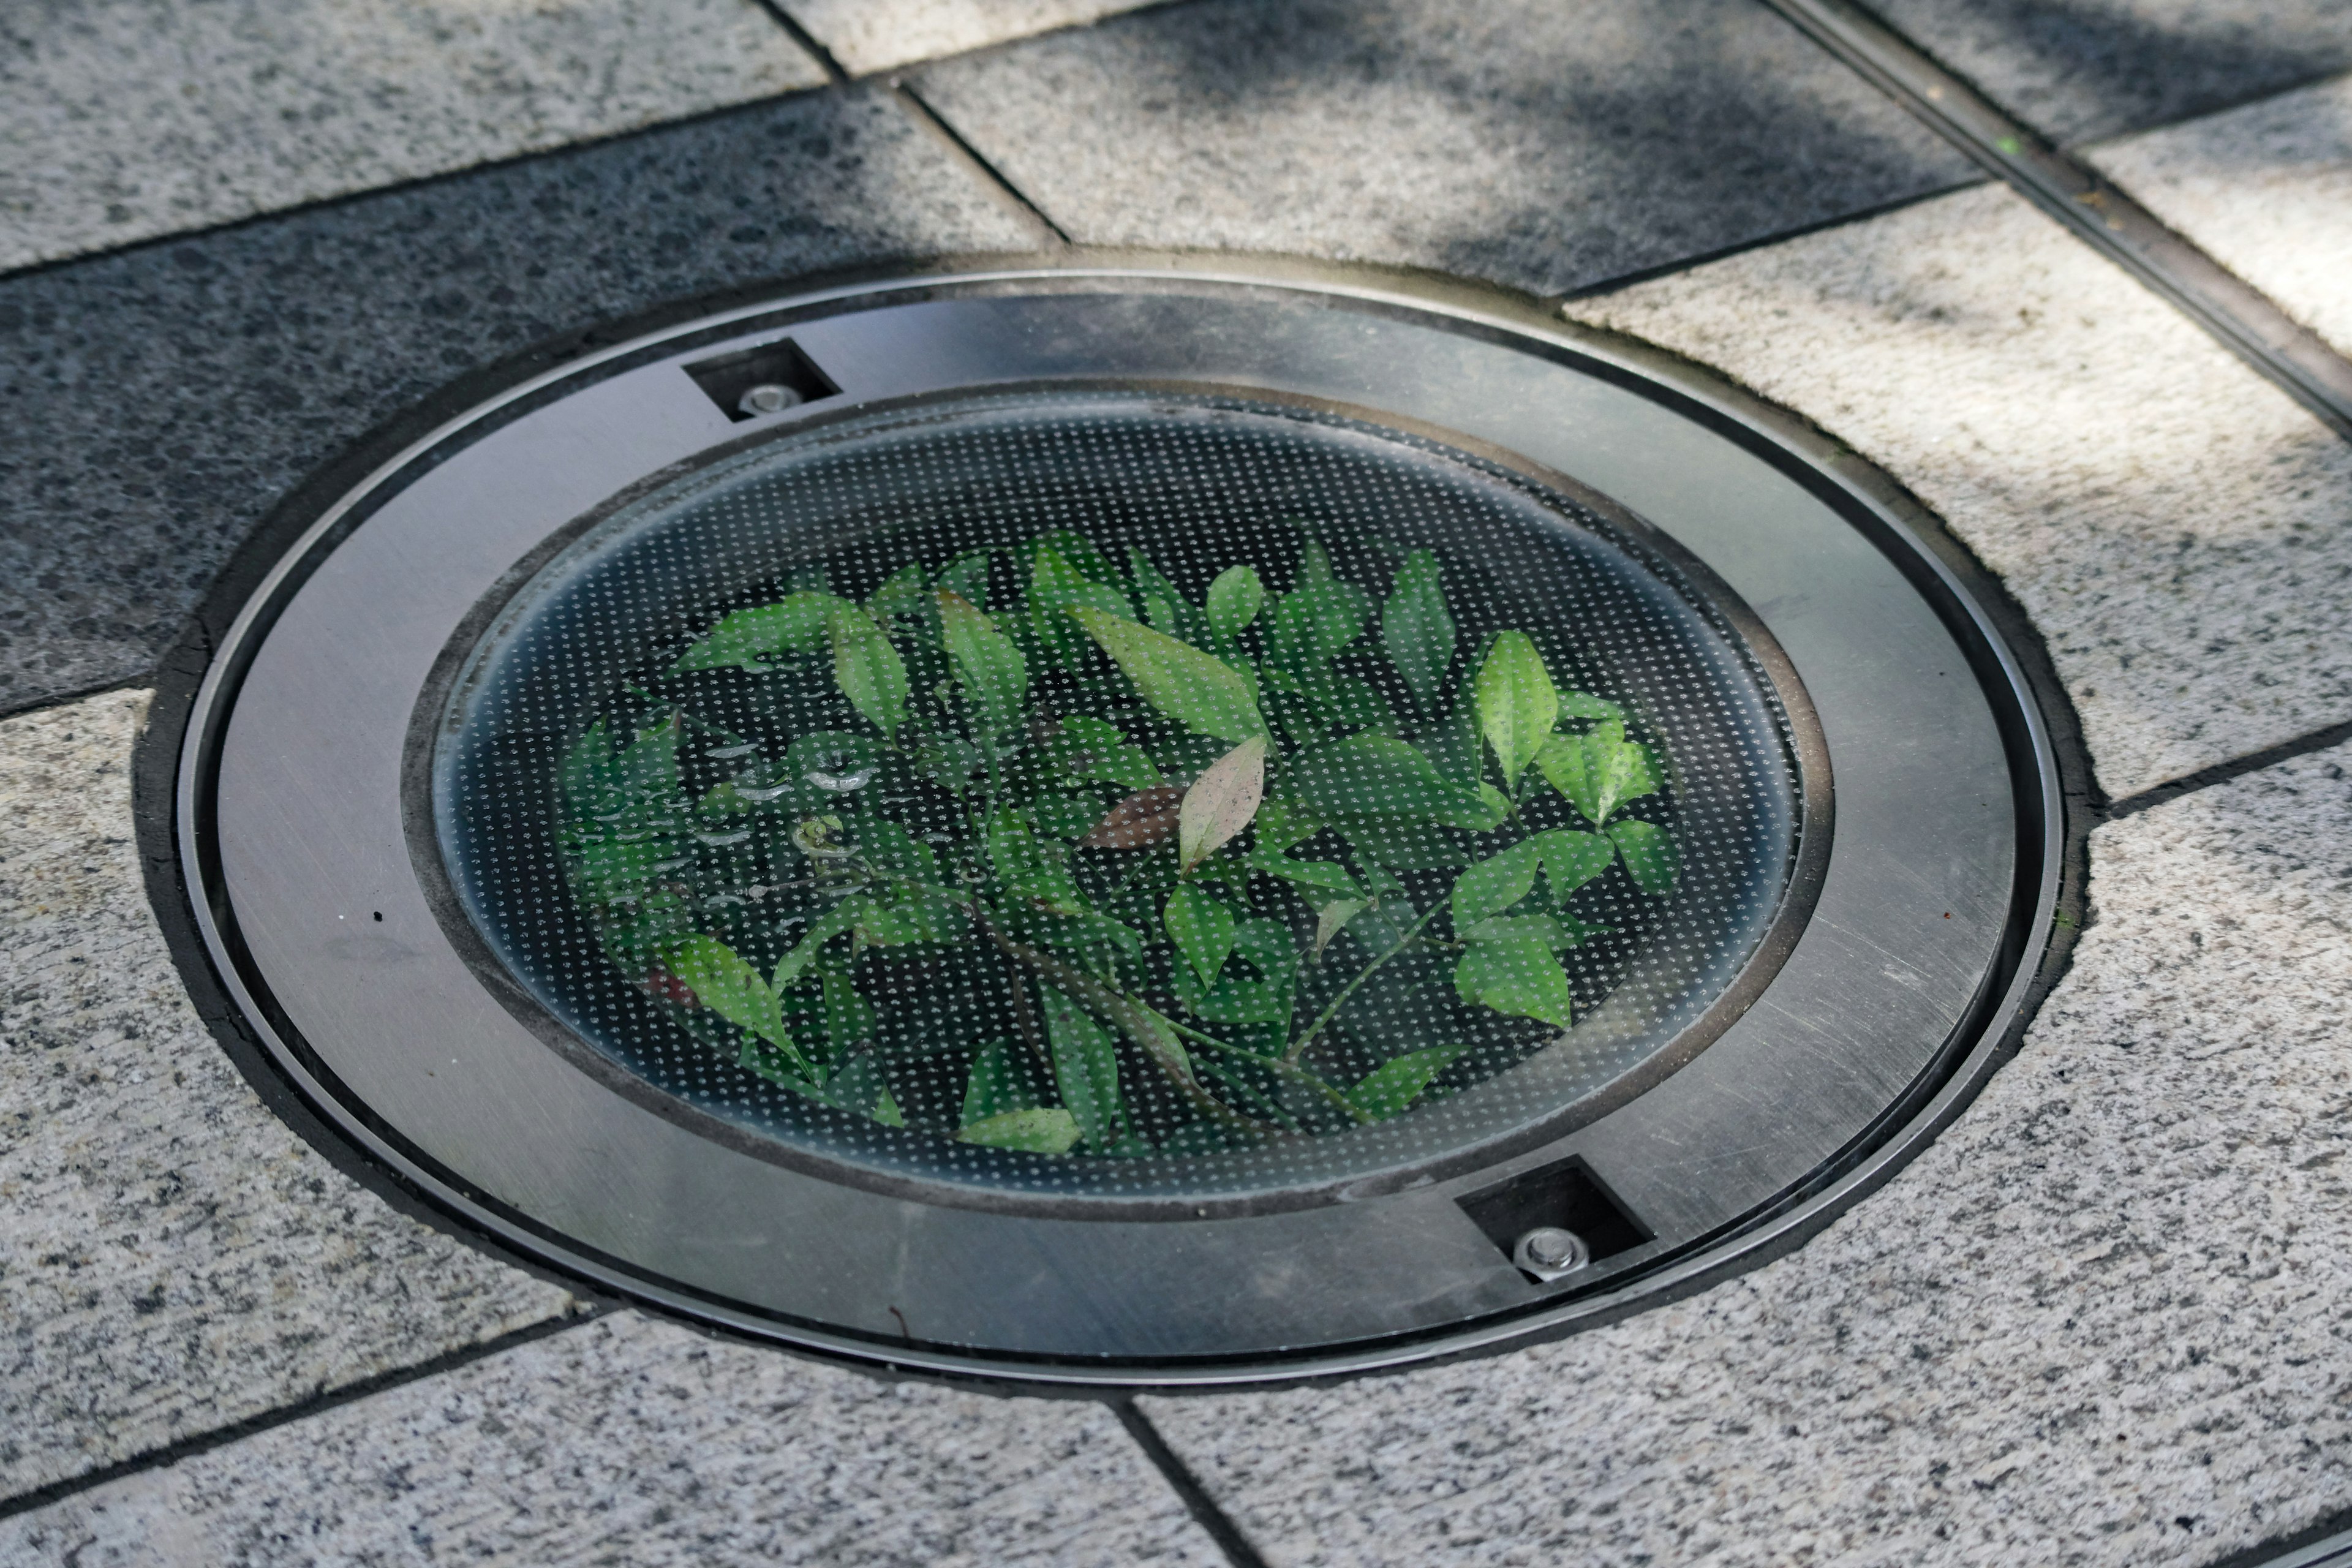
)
(632, 1441)
(2107, 1319)
(2175, 526)
(876, 35)
(159, 403)
(2267, 190)
(120, 120)
(2080, 69)
(1546, 146)
(172, 1259)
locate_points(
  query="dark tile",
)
(2077, 69)
(159, 402)
(1546, 146)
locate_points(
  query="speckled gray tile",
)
(2107, 1319)
(876, 34)
(632, 1441)
(1544, 146)
(120, 120)
(159, 403)
(2081, 69)
(2175, 526)
(2266, 190)
(172, 1258)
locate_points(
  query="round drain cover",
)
(1115, 825)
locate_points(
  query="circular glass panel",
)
(1123, 796)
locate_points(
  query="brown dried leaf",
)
(1143, 819)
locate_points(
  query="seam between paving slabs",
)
(2095, 210)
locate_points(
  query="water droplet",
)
(757, 793)
(725, 752)
(853, 778)
(720, 840)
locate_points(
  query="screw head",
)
(767, 398)
(1549, 1252)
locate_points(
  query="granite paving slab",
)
(2176, 527)
(2266, 190)
(2105, 1320)
(159, 403)
(122, 120)
(633, 1441)
(867, 36)
(1542, 146)
(2077, 70)
(172, 1258)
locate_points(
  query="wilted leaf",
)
(1048, 1131)
(1651, 858)
(1392, 1086)
(1201, 929)
(1496, 883)
(1143, 819)
(1235, 599)
(1518, 975)
(1375, 775)
(994, 674)
(867, 667)
(1197, 689)
(1085, 1069)
(748, 639)
(1417, 630)
(1598, 771)
(1220, 803)
(1518, 704)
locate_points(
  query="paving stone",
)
(159, 403)
(867, 36)
(2266, 190)
(2107, 1319)
(633, 1441)
(2086, 68)
(122, 120)
(1543, 146)
(172, 1258)
(2173, 523)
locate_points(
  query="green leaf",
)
(867, 667)
(1375, 775)
(1496, 883)
(1313, 625)
(1418, 631)
(1085, 1069)
(1201, 929)
(1324, 875)
(1164, 605)
(1554, 934)
(1092, 749)
(849, 1018)
(1056, 591)
(1080, 553)
(1518, 975)
(995, 1085)
(1600, 770)
(1025, 867)
(966, 577)
(748, 639)
(1651, 858)
(1220, 803)
(1571, 859)
(886, 1110)
(731, 988)
(1518, 704)
(900, 594)
(994, 674)
(1198, 691)
(1281, 824)
(1265, 946)
(1455, 746)
(1234, 600)
(1047, 1131)
(1584, 705)
(1333, 917)
(843, 917)
(1392, 1086)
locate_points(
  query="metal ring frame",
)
(1948, 796)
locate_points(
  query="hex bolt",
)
(1549, 1252)
(767, 398)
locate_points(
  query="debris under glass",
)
(1086, 793)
